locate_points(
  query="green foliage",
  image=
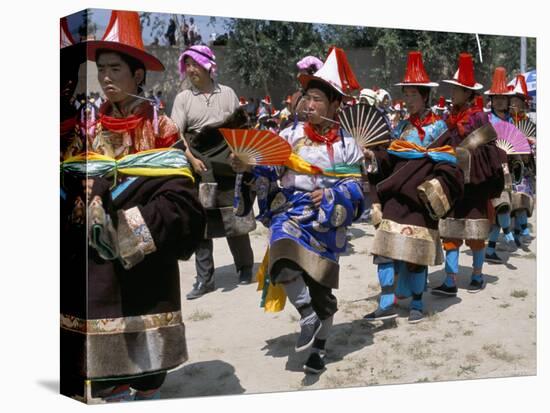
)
(263, 52)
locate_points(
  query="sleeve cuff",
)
(134, 237)
(432, 194)
(464, 160)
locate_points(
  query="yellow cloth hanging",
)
(275, 299)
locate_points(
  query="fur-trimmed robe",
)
(484, 166)
(116, 321)
(413, 195)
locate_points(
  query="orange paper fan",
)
(257, 147)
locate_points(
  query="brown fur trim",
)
(521, 200)
(502, 200)
(464, 228)
(409, 243)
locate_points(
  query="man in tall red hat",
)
(482, 163)
(413, 184)
(308, 213)
(199, 110)
(121, 321)
(499, 209)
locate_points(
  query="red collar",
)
(329, 138)
(418, 122)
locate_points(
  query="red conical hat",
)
(519, 87)
(441, 104)
(336, 72)
(498, 86)
(415, 74)
(123, 34)
(243, 101)
(464, 76)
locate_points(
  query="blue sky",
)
(101, 17)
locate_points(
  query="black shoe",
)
(314, 364)
(307, 334)
(444, 291)
(245, 275)
(494, 258)
(199, 290)
(380, 315)
(518, 242)
(476, 286)
(415, 316)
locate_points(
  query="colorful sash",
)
(153, 162)
(409, 150)
(300, 165)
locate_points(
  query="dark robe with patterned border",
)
(484, 166)
(413, 195)
(117, 321)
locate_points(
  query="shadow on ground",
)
(205, 378)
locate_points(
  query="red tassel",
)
(349, 82)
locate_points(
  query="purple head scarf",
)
(202, 55)
(309, 61)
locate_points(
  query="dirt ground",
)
(235, 347)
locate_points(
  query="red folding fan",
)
(257, 147)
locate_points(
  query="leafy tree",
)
(263, 52)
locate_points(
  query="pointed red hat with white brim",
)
(336, 72)
(519, 87)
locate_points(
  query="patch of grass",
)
(448, 334)
(519, 293)
(388, 374)
(470, 368)
(419, 351)
(532, 315)
(505, 305)
(468, 333)
(433, 316)
(358, 341)
(396, 346)
(431, 341)
(225, 374)
(472, 358)
(435, 364)
(423, 380)
(192, 370)
(199, 315)
(341, 340)
(496, 351)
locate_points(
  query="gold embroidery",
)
(122, 324)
